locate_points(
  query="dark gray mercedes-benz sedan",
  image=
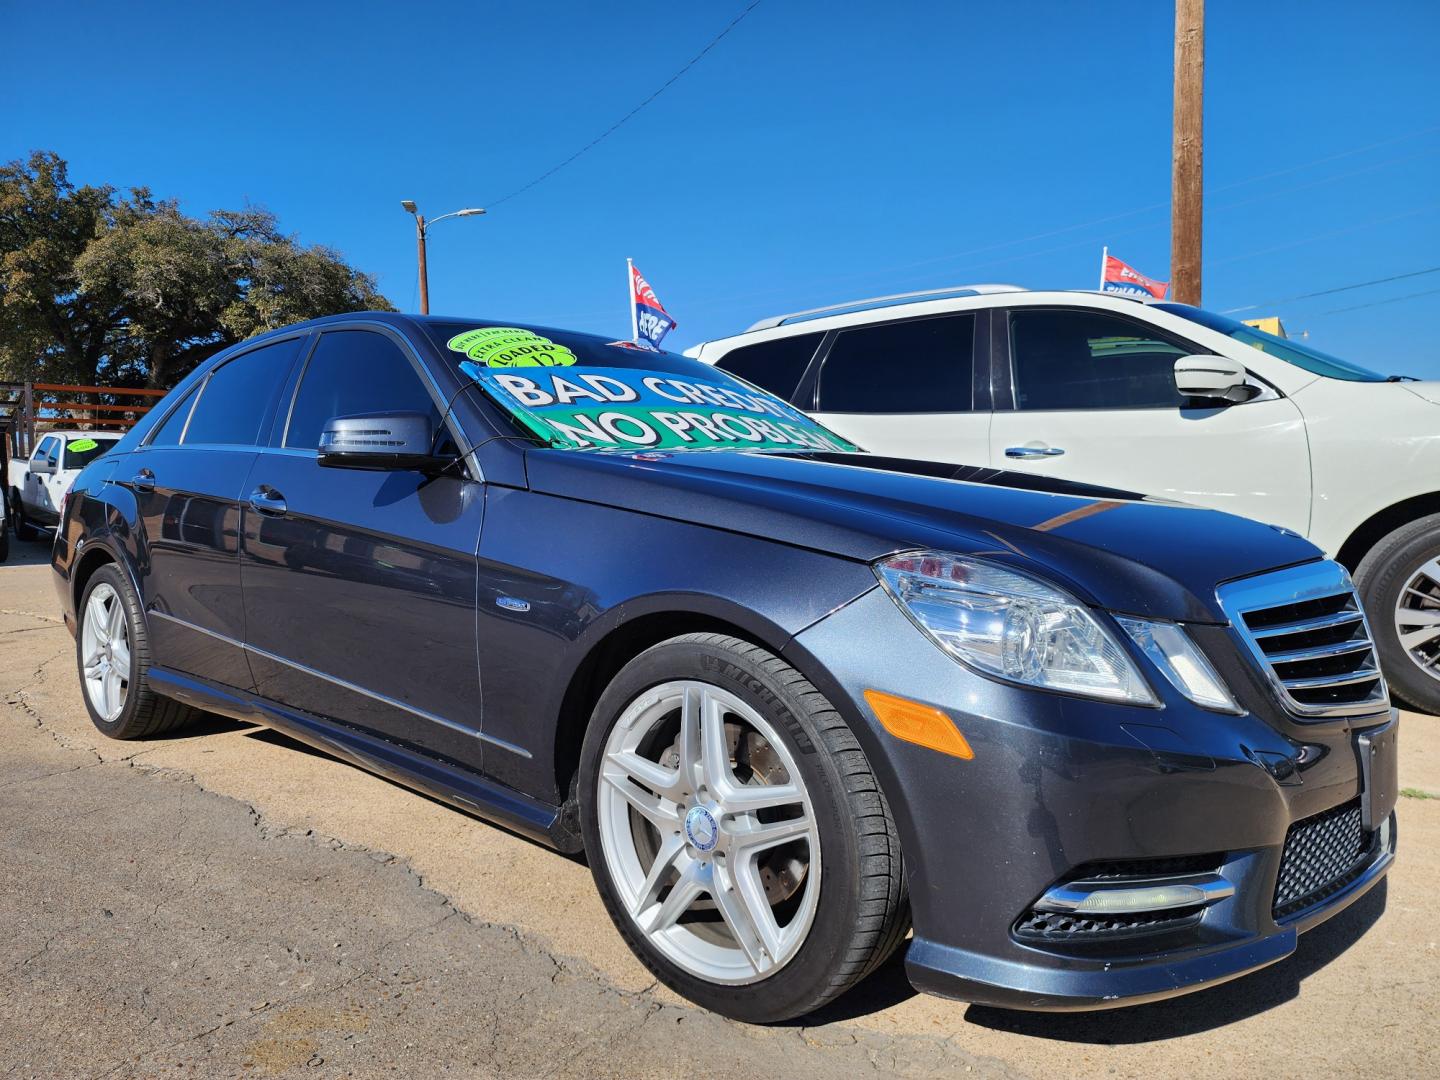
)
(789, 698)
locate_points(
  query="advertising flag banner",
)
(1119, 277)
(648, 318)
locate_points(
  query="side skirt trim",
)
(461, 788)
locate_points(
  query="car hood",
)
(1112, 548)
(1426, 389)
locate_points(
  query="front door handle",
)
(1033, 451)
(268, 501)
(144, 480)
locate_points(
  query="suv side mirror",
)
(1212, 377)
(380, 441)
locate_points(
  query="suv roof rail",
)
(893, 300)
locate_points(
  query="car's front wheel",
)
(736, 831)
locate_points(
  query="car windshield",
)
(80, 452)
(1292, 352)
(579, 392)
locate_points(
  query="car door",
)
(360, 585)
(906, 389)
(35, 495)
(187, 480)
(1092, 398)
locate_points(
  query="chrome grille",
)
(1306, 630)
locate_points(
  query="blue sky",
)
(821, 152)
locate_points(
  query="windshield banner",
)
(599, 408)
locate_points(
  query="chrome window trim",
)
(1309, 581)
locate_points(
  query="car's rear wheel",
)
(112, 651)
(1399, 583)
(736, 832)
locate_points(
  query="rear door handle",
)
(268, 501)
(1033, 451)
(144, 480)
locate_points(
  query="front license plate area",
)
(1379, 775)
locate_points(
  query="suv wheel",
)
(1399, 582)
(736, 832)
(112, 651)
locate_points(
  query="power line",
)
(1337, 289)
(618, 123)
(1378, 303)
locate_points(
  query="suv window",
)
(236, 397)
(351, 372)
(776, 365)
(1089, 360)
(920, 366)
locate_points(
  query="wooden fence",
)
(28, 410)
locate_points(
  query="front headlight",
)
(1005, 623)
(1172, 651)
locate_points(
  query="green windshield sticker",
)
(83, 444)
(510, 347)
(604, 408)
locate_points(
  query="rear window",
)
(580, 392)
(235, 400)
(918, 366)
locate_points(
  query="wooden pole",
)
(1187, 164)
(424, 271)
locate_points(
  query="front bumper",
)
(1058, 783)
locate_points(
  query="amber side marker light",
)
(923, 725)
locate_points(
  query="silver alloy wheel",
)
(1417, 618)
(105, 645)
(720, 872)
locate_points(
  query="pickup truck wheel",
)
(23, 529)
(4, 543)
(112, 651)
(1399, 583)
(736, 832)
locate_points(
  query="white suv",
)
(1148, 396)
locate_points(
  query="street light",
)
(421, 228)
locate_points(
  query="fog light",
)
(1108, 898)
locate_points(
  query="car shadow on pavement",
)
(28, 553)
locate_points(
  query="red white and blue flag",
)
(649, 320)
(1116, 276)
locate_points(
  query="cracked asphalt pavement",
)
(229, 903)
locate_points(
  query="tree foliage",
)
(113, 289)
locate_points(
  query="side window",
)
(235, 399)
(47, 451)
(351, 372)
(776, 365)
(921, 366)
(1087, 360)
(173, 426)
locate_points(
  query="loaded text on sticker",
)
(510, 346)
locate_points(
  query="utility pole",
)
(1187, 163)
(422, 227)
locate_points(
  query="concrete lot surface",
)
(229, 903)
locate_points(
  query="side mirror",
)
(1215, 377)
(42, 468)
(380, 441)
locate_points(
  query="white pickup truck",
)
(36, 487)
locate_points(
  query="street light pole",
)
(422, 227)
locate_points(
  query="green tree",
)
(110, 289)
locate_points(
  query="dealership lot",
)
(230, 902)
